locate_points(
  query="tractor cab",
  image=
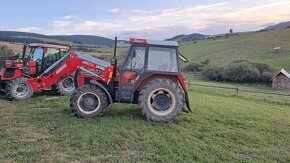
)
(146, 58)
(42, 56)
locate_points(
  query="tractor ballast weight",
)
(150, 76)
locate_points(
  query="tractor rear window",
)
(162, 59)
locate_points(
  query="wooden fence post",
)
(188, 85)
(238, 89)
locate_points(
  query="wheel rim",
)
(68, 84)
(161, 101)
(21, 90)
(88, 103)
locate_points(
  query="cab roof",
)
(48, 46)
(153, 42)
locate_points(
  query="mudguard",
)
(187, 102)
(104, 89)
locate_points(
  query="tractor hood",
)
(93, 60)
(8, 62)
(13, 64)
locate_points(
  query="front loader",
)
(150, 76)
(23, 87)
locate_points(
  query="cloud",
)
(265, 6)
(27, 29)
(159, 24)
(61, 24)
(114, 10)
(68, 17)
(88, 27)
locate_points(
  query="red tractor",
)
(150, 77)
(41, 57)
(47, 67)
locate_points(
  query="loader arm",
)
(67, 66)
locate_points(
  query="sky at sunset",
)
(155, 19)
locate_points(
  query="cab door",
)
(37, 56)
(131, 72)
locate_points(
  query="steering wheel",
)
(38, 60)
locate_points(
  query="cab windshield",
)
(36, 54)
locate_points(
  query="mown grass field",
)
(222, 128)
(255, 47)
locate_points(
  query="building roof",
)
(284, 72)
(48, 46)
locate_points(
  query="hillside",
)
(21, 37)
(252, 46)
(190, 37)
(282, 25)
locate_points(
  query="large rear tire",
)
(18, 89)
(161, 100)
(89, 102)
(65, 87)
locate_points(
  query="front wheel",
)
(18, 89)
(161, 100)
(89, 102)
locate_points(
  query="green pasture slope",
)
(252, 46)
(222, 128)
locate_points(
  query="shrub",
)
(193, 67)
(214, 73)
(266, 77)
(5, 51)
(262, 67)
(240, 72)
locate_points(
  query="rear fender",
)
(183, 85)
(10, 74)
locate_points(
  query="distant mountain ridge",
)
(282, 25)
(21, 37)
(190, 37)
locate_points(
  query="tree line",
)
(5, 51)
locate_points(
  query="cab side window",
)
(50, 57)
(162, 59)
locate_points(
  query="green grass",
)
(255, 47)
(222, 128)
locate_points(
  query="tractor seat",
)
(129, 78)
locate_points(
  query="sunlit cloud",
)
(61, 24)
(159, 24)
(27, 29)
(68, 17)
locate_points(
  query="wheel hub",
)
(89, 102)
(68, 83)
(21, 90)
(161, 102)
